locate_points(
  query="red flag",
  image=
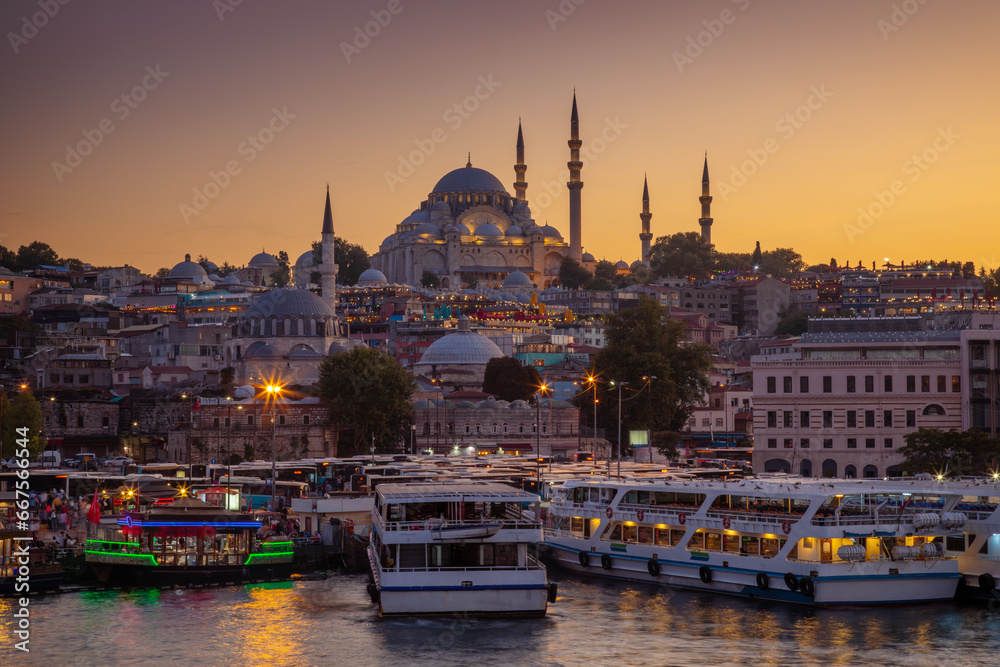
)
(94, 513)
(196, 405)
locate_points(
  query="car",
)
(72, 462)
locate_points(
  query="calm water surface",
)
(593, 622)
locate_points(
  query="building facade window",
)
(827, 384)
(804, 384)
(888, 384)
(827, 443)
(772, 419)
(804, 443)
(828, 419)
(772, 443)
(772, 385)
(852, 419)
(887, 418)
(787, 384)
(851, 384)
(788, 419)
(869, 383)
(869, 419)
(852, 443)
(804, 419)
(911, 383)
(911, 418)
(869, 443)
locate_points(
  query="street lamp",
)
(620, 385)
(273, 392)
(542, 389)
(592, 379)
(413, 433)
(649, 414)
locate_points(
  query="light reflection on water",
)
(593, 622)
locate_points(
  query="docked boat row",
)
(806, 541)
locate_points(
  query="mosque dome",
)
(514, 230)
(517, 279)
(522, 211)
(427, 228)
(262, 260)
(289, 302)
(388, 240)
(372, 278)
(259, 349)
(305, 259)
(550, 232)
(488, 229)
(637, 264)
(621, 264)
(457, 227)
(231, 279)
(587, 257)
(416, 218)
(462, 347)
(441, 205)
(188, 270)
(211, 267)
(468, 179)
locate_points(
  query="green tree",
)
(226, 269)
(470, 280)
(8, 259)
(939, 452)
(572, 275)
(792, 323)
(643, 341)
(73, 263)
(969, 270)
(226, 376)
(430, 279)
(733, 261)
(36, 254)
(281, 275)
(757, 256)
(682, 254)
(782, 263)
(21, 412)
(369, 393)
(351, 260)
(162, 272)
(605, 270)
(509, 380)
(596, 283)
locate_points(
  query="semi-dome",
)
(427, 228)
(372, 278)
(457, 227)
(514, 230)
(416, 218)
(289, 302)
(259, 349)
(468, 179)
(303, 352)
(188, 270)
(488, 229)
(263, 260)
(441, 205)
(522, 211)
(462, 347)
(517, 279)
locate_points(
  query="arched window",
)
(850, 472)
(468, 428)
(505, 428)
(870, 471)
(894, 471)
(496, 428)
(427, 428)
(451, 428)
(934, 409)
(437, 428)
(806, 468)
(479, 428)
(829, 468)
(777, 465)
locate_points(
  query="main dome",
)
(468, 179)
(188, 270)
(289, 302)
(462, 347)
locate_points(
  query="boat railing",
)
(529, 567)
(434, 524)
(881, 518)
(654, 510)
(776, 518)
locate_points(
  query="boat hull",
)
(44, 579)
(864, 588)
(142, 576)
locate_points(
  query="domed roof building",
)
(189, 272)
(372, 278)
(517, 280)
(471, 224)
(303, 269)
(458, 360)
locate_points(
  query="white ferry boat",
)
(439, 548)
(808, 541)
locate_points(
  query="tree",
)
(430, 279)
(733, 261)
(226, 269)
(782, 263)
(8, 259)
(792, 323)
(72, 263)
(939, 452)
(162, 272)
(969, 270)
(992, 280)
(281, 275)
(642, 341)
(351, 260)
(369, 392)
(682, 254)
(601, 284)
(21, 412)
(757, 257)
(605, 270)
(509, 380)
(572, 275)
(36, 254)
(227, 375)
(470, 280)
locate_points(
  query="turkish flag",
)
(94, 513)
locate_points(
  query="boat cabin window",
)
(761, 505)
(667, 498)
(472, 555)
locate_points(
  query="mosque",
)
(471, 225)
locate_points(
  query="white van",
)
(51, 459)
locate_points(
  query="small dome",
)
(214, 278)
(517, 279)
(372, 278)
(423, 405)
(468, 179)
(489, 403)
(587, 257)
(522, 211)
(637, 264)
(211, 267)
(550, 232)
(519, 404)
(457, 227)
(231, 279)
(466, 405)
(441, 205)
(417, 217)
(514, 230)
(336, 348)
(259, 349)
(388, 240)
(263, 260)
(462, 347)
(427, 228)
(621, 264)
(488, 229)
(289, 302)
(188, 270)
(305, 260)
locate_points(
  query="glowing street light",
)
(273, 392)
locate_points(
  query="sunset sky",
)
(809, 111)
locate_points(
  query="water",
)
(593, 622)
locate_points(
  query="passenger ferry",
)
(807, 541)
(187, 542)
(449, 547)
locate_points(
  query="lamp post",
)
(649, 414)
(413, 433)
(620, 385)
(274, 391)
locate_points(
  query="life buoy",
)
(726, 522)
(786, 527)
(705, 572)
(993, 604)
(606, 562)
(791, 581)
(610, 512)
(807, 587)
(763, 581)
(682, 518)
(987, 583)
(653, 566)
(639, 514)
(584, 559)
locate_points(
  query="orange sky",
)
(884, 86)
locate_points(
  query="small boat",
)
(188, 542)
(43, 574)
(446, 547)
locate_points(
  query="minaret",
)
(520, 187)
(706, 206)
(645, 236)
(328, 269)
(574, 185)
